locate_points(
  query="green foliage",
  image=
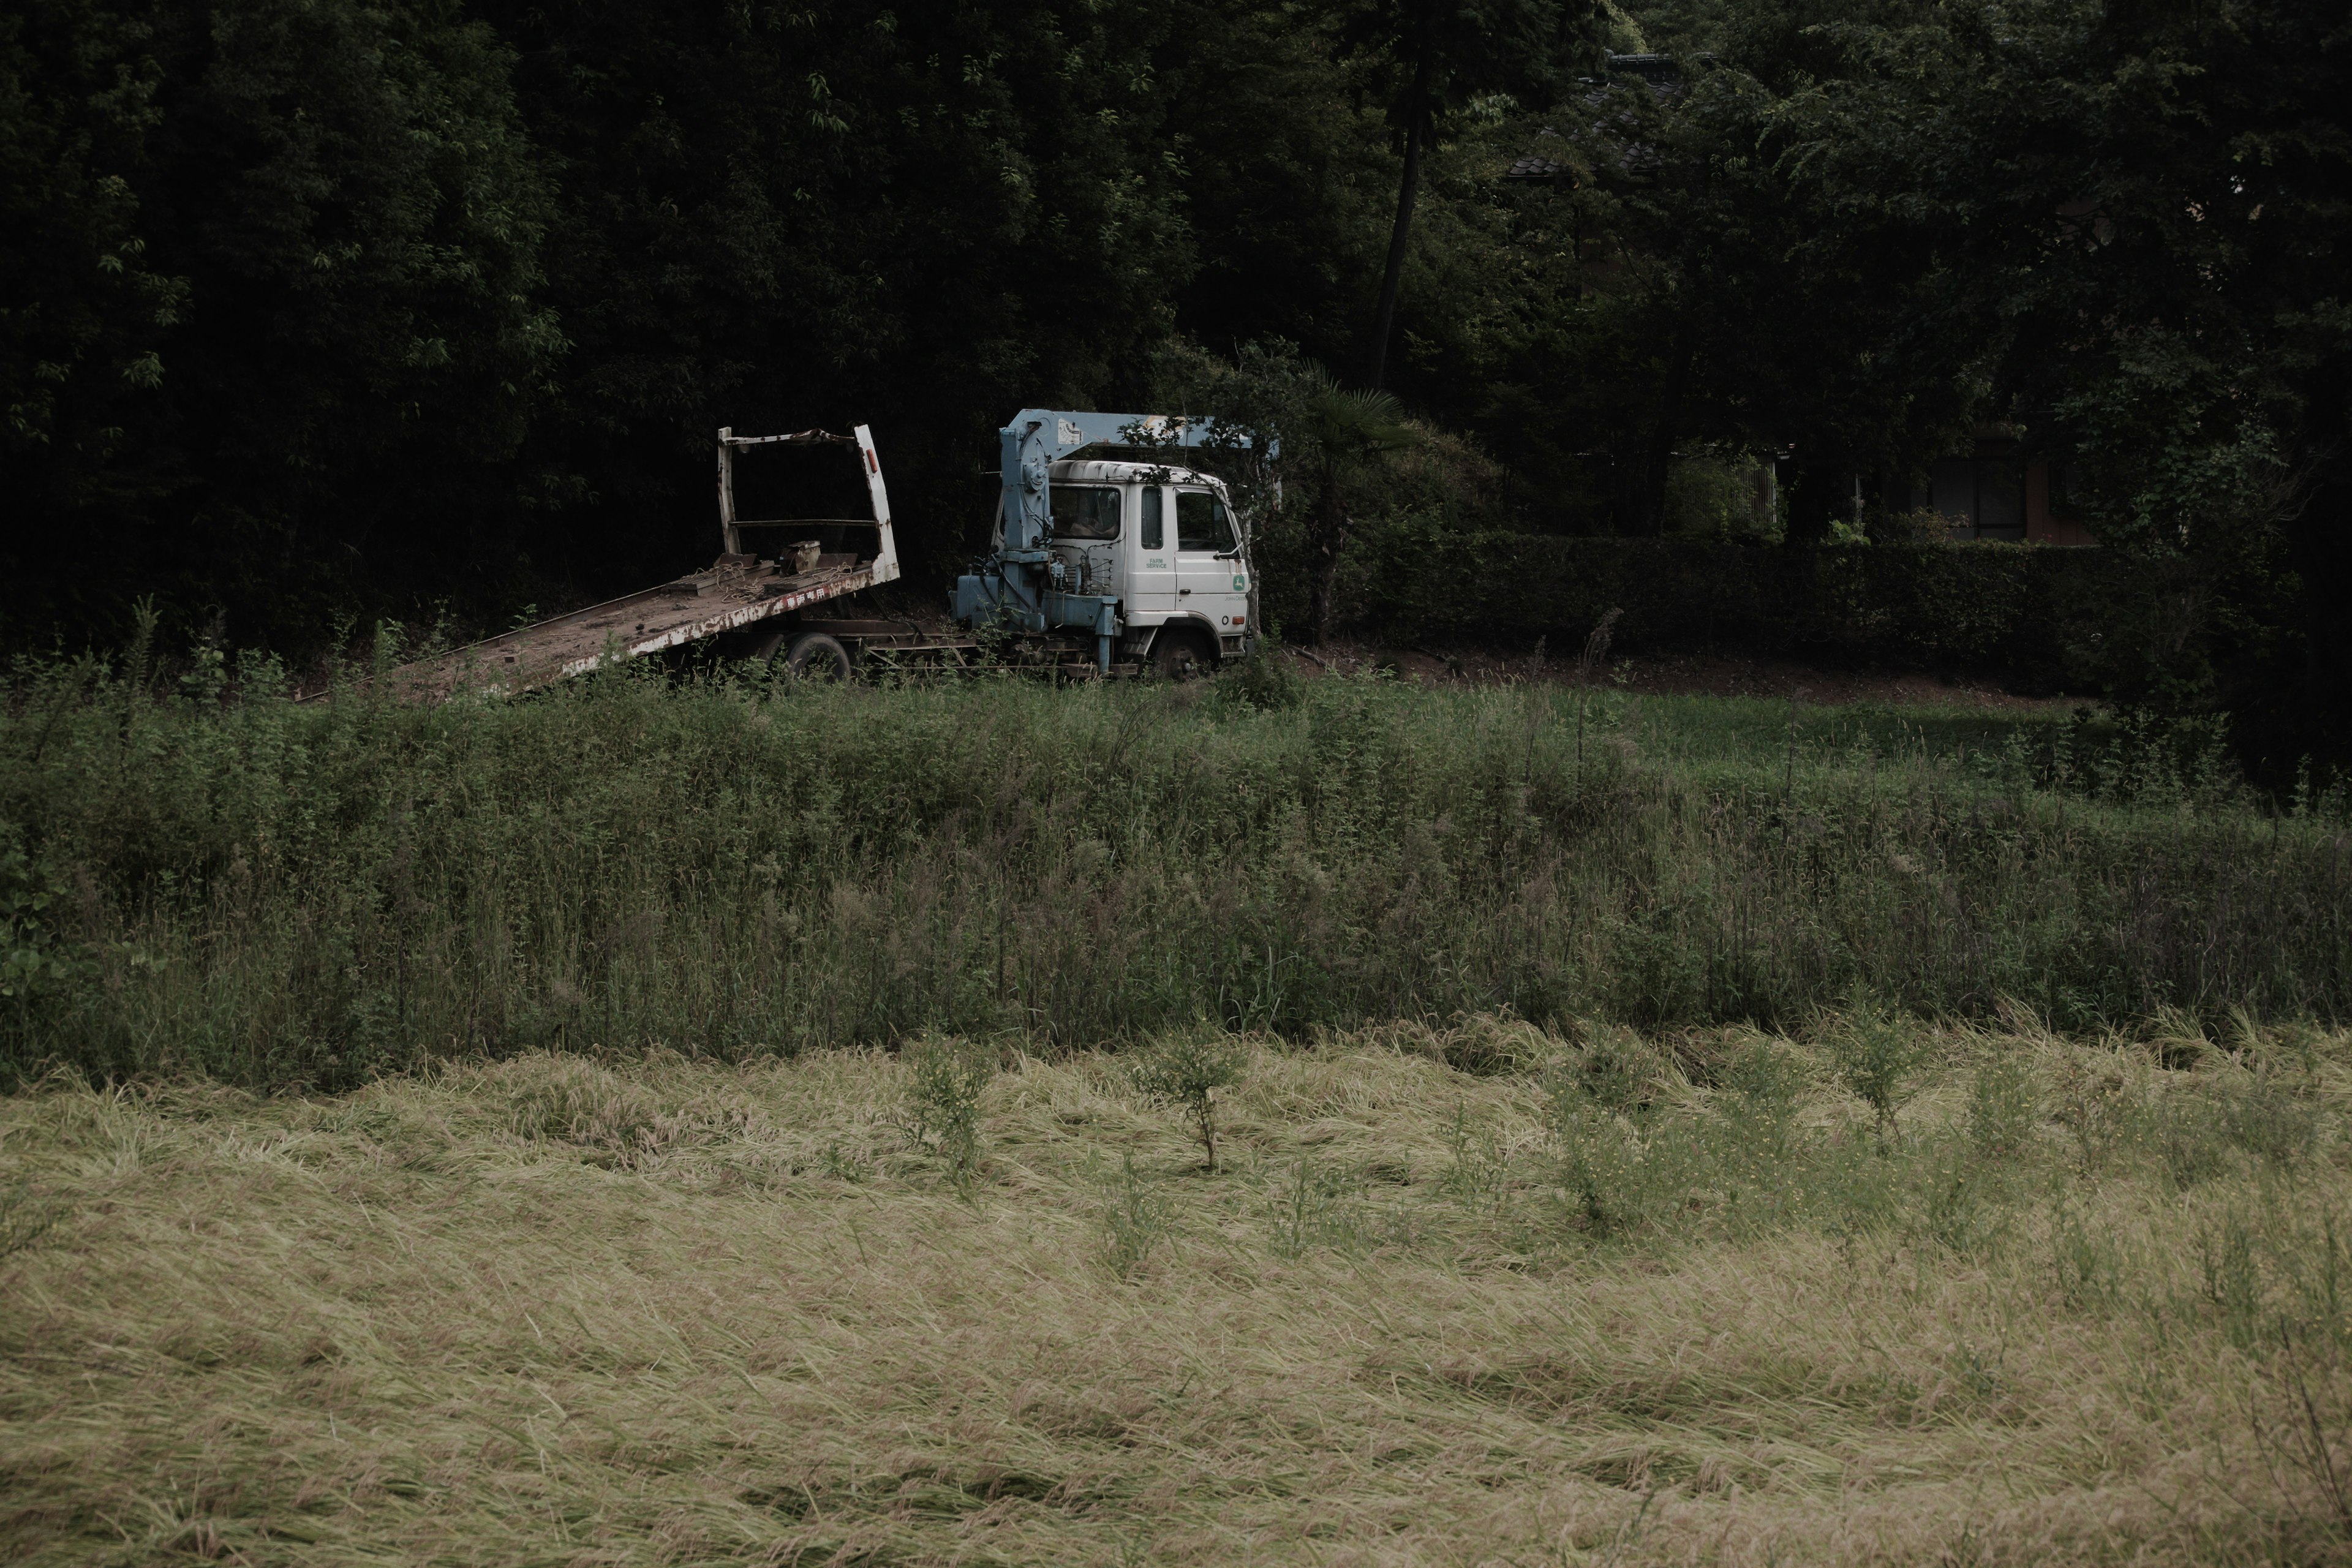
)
(1479, 1174)
(329, 306)
(1720, 497)
(1137, 1216)
(1740, 1164)
(1320, 1208)
(2087, 1264)
(33, 963)
(1185, 1070)
(298, 311)
(1763, 1084)
(1263, 683)
(1875, 1055)
(283, 892)
(1605, 1171)
(1437, 61)
(324, 307)
(2161, 302)
(946, 1079)
(86, 306)
(1958, 1208)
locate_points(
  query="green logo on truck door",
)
(1241, 585)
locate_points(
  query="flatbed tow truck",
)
(1097, 596)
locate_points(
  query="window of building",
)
(1979, 498)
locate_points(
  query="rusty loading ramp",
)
(735, 593)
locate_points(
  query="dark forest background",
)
(315, 310)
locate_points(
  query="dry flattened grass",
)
(550, 1309)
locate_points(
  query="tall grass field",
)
(278, 893)
(712, 1121)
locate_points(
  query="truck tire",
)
(817, 656)
(1180, 653)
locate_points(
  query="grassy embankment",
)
(1463, 1289)
(275, 893)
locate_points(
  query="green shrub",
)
(2181, 1131)
(36, 963)
(1959, 1208)
(1185, 1070)
(1260, 682)
(945, 1081)
(1759, 1103)
(1873, 1054)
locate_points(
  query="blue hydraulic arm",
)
(1019, 583)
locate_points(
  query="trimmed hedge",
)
(2054, 617)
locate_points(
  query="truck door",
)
(1210, 580)
(1151, 559)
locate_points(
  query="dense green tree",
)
(1288, 181)
(82, 308)
(272, 320)
(1442, 58)
(2152, 204)
(1682, 286)
(778, 217)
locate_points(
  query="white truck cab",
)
(1123, 552)
(1165, 543)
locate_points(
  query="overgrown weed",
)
(1138, 1215)
(292, 894)
(945, 1081)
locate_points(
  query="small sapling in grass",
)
(1875, 1053)
(2088, 1266)
(1316, 1211)
(1596, 648)
(2182, 1132)
(1186, 1070)
(943, 1090)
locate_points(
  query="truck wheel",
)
(816, 655)
(1180, 653)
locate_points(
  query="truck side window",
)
(1086, 511)
(1155, 537)
(1201, 522)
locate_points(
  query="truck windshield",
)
(1086, 511)
(1201, 523)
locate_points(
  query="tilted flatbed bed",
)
(740, 592)
(733, 595)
